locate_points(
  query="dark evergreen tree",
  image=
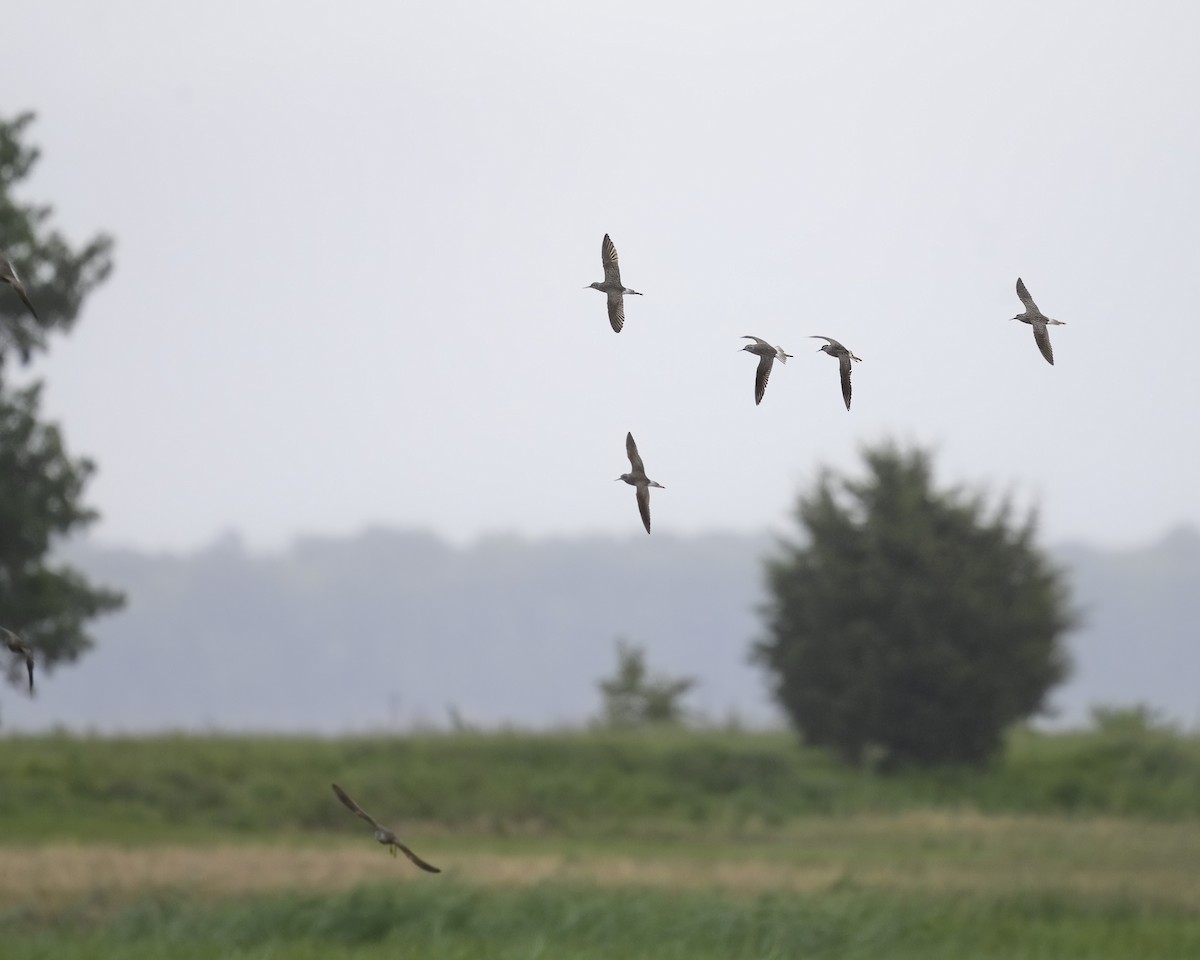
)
(911, 625)
(41, 486)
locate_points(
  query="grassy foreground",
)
(590, 845)
(563, 921)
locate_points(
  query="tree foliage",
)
(57, 277)
(41, 485)
(633, 698)
(912, 625)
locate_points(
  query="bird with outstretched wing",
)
(382, 833)
(14, 643)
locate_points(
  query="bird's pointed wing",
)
(355, 808)
(8, 274)
(427, 867)
(635, 459)
(760, 378)
(20, 288)
(1041, 334)
(844, 366)
(608, 259)
(13, 641)
(833, 343)
(643, 499)
(759, 340)
(1026, 298)
(616, 311)
(18, 646)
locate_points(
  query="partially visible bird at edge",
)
(14, 643)
(637, 478)
(611, 284)
(1038, 320)
(382, 834)
(767, 355)
(844, 356)
(8, 274)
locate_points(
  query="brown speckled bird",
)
(8, 274)
(21, 649)
(1038, 320)
(844, 356)
(382, 833)
(767, 355)
(637, 478)
(611, 284)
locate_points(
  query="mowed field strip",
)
(1152, 863)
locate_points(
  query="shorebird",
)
(768, 354)
(611, 284)
(382, 833)
(1038, 320)
(21, 649)
(835, 349)
(637, 478)
(8, 274)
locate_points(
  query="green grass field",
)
(451, 920)
(589, 845)
(146, 789)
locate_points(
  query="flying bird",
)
(844, 356)
(611, 284)
(21, 649)
(8, 274)
(1038, 320)
(382, 833)
(768, 355)
(637, 478)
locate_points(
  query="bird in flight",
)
(21, 649)
(8, 274)
(767, 355)
(611, 284)
(1038, 320)
(637, 478)
(382, 833)
(844, 356)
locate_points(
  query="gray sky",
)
(351, 253)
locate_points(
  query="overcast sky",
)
(353, 241)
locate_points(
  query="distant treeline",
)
(373, 631)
